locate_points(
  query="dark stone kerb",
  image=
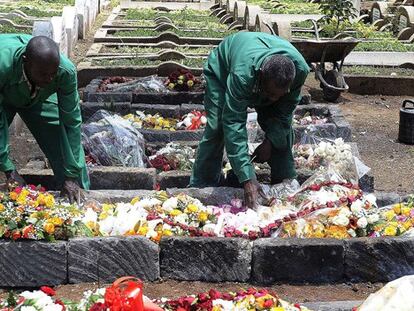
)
(206, 259)
(297, 260)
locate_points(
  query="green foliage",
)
(181, 33)
(10, 29)
(385, 46)
(377, 71)
(336, 12)
(180, 15)
(153, 50)
(189, 62)
(297, 8)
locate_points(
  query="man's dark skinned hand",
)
(252, 190)
(72, 190)
(263, 152)
(13, 178)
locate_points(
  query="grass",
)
(152, 50)
(20, 21)
(189, 62)
(10, 29)
(378, 71)
(31, 11)
(181, 33)
(297, 8)
(385, 46)
(180, 15)
(180, 24)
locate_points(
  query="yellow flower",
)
(49, 227)
(106, 207)
(167, 232)
(390, 231)
(216, 308)
(203, 216)
(180, 81)
(192, 208)
(103, 215)
(405, 211)
(407, 225)
(2, 208)
(175, 212)
(277, 309)
(143, 230)
(389, 214)
(171, 86)
(190, 83)
(135, 200)
(397, 208)
(181, 77)
(56, 221)
(13, 195)
(49, 201)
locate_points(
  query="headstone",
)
(71, 27)
(43, 28)
(83, 17)
(378, 10)
(59, 33)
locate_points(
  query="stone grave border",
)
(264, 261)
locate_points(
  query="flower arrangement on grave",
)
(173, 157)
(42, 299)
(395, 221)
(182, 80)
(308, 119)
(152, 217)
(32, 213)
(250, 299)
(190, 121)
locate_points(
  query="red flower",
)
(16, 235)
(18, 190)
(32, 187)
(98, 306)
(202, 297)
(268, 303)
(26, 231)
(48, 290)
(214, 294)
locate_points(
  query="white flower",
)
(362, 222)
(372, 218)
(352, 232)
(209, 228)
(225, 305)
(340, 220)
(28, 308)
(371, 199)
(357, 208)
(345, 212)
(182, 218)
(170, 204)
(90, 216)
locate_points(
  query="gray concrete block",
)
(42, 177)
(297, 260)
(210, 195)
(32, 264)
(186, 108)
(89, 108)
(333, 305)
(180, 179)
(378, 259)
(185, 135)
(169, 111)
(125, 178)
(171, 98)
(205, 259)
(106, 259)
(116, 196)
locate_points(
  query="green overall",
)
(52, 115)
(231, 74)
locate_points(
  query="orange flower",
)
(49, 228)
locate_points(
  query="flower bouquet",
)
(182, 80)
(42, 299)
(250, 299)
(32, 213)
(308, 119)
(173, 157)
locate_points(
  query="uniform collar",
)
(34, 90)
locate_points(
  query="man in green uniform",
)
(260, 71)
(41, 86)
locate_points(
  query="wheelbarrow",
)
(321, 52)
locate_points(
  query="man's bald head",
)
(41, 60)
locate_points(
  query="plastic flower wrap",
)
(173, 157)
(192, 121)
(109, 140)
(336, 154)
(32, 213)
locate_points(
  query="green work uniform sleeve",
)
(234, 127)
(276, 120)
(5, 162)
(71, 120)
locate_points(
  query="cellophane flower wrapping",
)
(109, 140)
